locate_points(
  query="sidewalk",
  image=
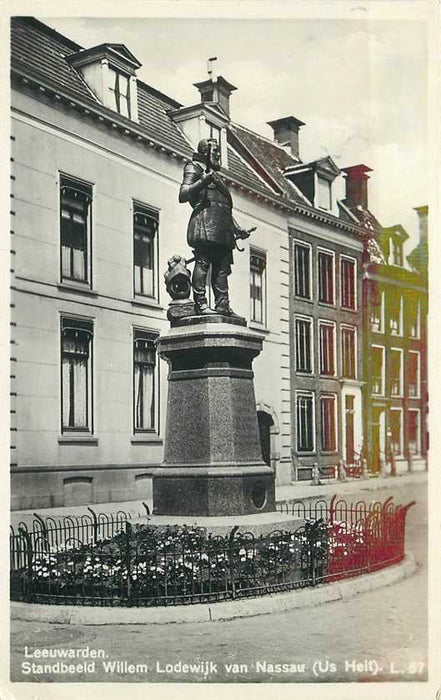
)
(284, 494)
(297, 490)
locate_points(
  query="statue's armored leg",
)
(220, 270)
(199, 282)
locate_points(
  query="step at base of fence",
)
(257, 524)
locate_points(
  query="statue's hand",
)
(206, 178)
(242, 233)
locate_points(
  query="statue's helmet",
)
(203, 145)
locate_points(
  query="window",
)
(328, 424)
(258, 286)
(349, 429)
(120, 89)
(395, 308)
(305, 422)
(377, 364)
(397, 252)
(348, 353)
(76, 370)
(413, 316)
(327, 348)
(326, 277)
(396, 372)
(347, 283)
(376, 303)
(414, 374)
(302, 271)
(324, 193)
(304, 351)
(214, 132)
(144, 364)
(145, 226)
(75, 225)
(413, 431)
(396, 441)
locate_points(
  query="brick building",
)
(395, 303)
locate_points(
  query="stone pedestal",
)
(212, 461)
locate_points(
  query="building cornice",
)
(90, 109)
(94, 110)
(329, 220)
(386, 279)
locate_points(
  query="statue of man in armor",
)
(212, 231)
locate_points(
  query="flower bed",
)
(143, 565)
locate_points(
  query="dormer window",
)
(109, 70)
(215, 133)
(120, 89)
(324, 194)
(314, 180)
(397, 252)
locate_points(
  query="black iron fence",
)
(108, 560)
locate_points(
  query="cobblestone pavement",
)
(375, 636)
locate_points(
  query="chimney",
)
(286, 133)
(216, 89)
(357, 186)
(422, 213)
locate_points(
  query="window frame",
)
(401, 385)
(333, 325)
(417, 335)
(330, 253)
(326, 396)
(87, 188)
(418, 383)
(382, 315)
(116, 92)
(396, 251)
(152, 336)
(323, 180)
(383, 372)
(418, 432)
(217, 129)
(310, 321)
(308, 246)
(354, 329)
(306, 394)
(399, 410)
(353, 260)
(154, 214)
(400, 332)
(262, 255)
(86, 325)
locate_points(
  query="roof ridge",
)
(37, 24)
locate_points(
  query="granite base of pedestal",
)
(214, 492)
(213, 462)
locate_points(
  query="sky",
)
(359, 85)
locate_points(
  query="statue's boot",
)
(223, 306)
(200, 304)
